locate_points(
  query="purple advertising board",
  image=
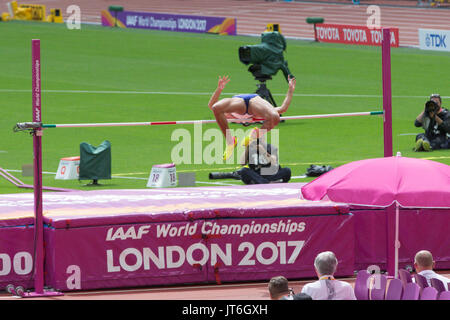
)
(278, 246)
(198, 251)
(418, 229)
(120, 238)
(169, 22)
(16, 256)
(126, 238)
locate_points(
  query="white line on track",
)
(299, 177)
(228, 183)
(209, 93)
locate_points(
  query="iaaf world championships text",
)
(208, 228)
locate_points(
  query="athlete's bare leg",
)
(224, 106)
(261, 108)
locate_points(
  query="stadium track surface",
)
(253, 15)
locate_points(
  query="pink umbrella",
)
(385, 182)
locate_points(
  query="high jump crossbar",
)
(33, 125)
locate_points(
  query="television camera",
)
(266, 59)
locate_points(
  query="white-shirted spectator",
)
(327, 287)
(424, 264)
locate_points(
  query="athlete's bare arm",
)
(220, 86)
(287, 101)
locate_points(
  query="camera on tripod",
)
(266, 59)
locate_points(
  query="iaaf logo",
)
(37, 114)
(130, 233)
(435, 40)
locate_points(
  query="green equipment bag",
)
(95, 163)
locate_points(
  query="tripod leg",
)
(261, 92)
(265, 94)
(271, 99)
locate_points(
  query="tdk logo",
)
(435, 40)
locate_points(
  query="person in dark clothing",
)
(435, 120)
(279, 290)
(263, 167)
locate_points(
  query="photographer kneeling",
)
(263, 167)
(436, 122)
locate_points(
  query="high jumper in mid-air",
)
(243, 104)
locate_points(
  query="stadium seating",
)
(361, 289)
(421, 281)
(444, 295)
(394, 290)
(404, 276)
(412, 292)
(378, 287)
(429, 293)
(438, 285)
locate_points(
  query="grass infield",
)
(100, 74)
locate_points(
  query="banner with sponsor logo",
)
(280, 246)
(418, 229)
(143, 237)
(437, 40)
(196, 251)
(350, 34)
(16, 256)
(169, 22)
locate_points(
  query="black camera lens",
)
(431, 106)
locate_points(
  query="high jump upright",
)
(37, 154)
(387, 92)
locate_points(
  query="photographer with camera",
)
(263, 166)
(436, 122)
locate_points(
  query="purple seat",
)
(404, 276)
(444, 295)
(361, 287)
(378, 287)
(421, 281)
(429, 293)
(412, 291)
(438, 285)
(395, 290)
